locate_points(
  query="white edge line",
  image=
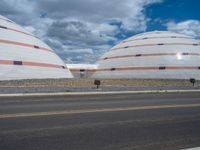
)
(96, 93)
(195, 148)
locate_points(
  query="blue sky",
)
(81, 31)
(172, 10)
(177, 10)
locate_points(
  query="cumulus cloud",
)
(189, 27)
(79, 31)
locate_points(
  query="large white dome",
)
(24, 56)
(152, 55)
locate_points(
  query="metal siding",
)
(150, 74)
(13, 72)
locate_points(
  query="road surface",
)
(101, 122)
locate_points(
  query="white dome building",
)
(24, 56)
(152, 55)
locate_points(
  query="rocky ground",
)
(81, 85)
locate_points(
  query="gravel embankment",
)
(81, 85)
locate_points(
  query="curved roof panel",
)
(152, 55)
(24, 56)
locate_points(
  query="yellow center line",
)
(69, 112)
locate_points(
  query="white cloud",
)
(87, 27)
(189, 27)
(129, 12)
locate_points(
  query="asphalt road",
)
(95, 122)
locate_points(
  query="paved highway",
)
(108, 122)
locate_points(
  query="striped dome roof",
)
(24, 56)
(152, 55)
